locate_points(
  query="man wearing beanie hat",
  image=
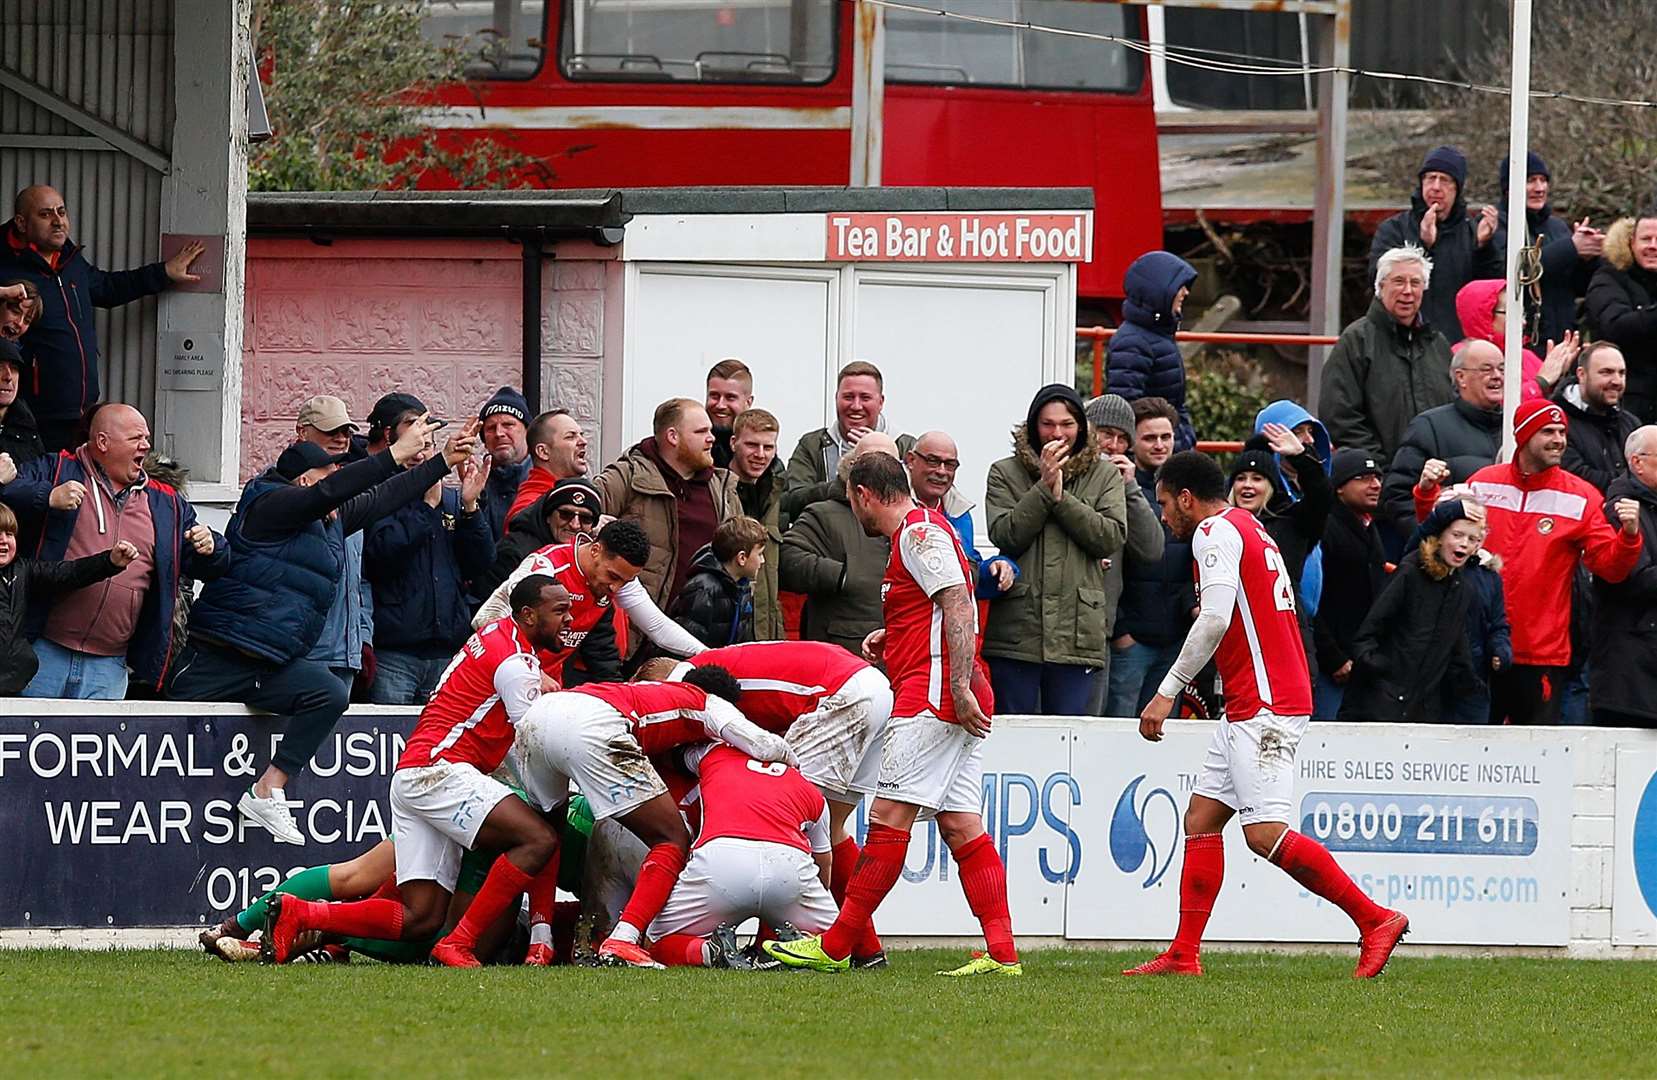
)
(1543, 522)
(1569, 251)
(1057, 507)
(1354, 573)
(1461, 247)
(504, 435)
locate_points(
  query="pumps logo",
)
(1145, 830)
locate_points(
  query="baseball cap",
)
(326, 413)
(302, 457)
(389, 408)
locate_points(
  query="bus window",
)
(923, 48)
(709, 41)
(502, 39)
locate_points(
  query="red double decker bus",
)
(607, 93)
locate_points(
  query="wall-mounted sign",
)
(191, 360)
(960, 238)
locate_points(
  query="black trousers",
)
(311, 695)
(1527, 695)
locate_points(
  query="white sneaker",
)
(271, 814)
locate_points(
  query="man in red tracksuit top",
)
(1543, 520)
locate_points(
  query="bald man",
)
(932, 465)
(62, 343)
(80, 502)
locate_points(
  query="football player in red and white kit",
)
(1247, 623)
(596, 572)
(443, 799)
(762, 852)
(600, 736)
(932, 757)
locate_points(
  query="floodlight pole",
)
(1517, 145)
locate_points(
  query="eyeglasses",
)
(935, 462)
(579, 517)
(1486, 371)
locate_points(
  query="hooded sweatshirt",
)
(1476, 308)
(1291, 414)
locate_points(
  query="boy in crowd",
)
(717, 603)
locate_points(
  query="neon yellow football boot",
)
(806, 953)
(984, 964)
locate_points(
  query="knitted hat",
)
(1445, 159)
(1533, 165)
(1112, 411)
(577, 492)
(1533, 416)
(11, 354)
(1256, 457)
(1350, 463)
(508, 401)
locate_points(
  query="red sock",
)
(840, 874)
(543, 895)
(1199, 884)
(984, 880)
(678, 950)
(1310, 863)
(504, 885)
(878, 869)
(656, 877)
(387, 890)
(378, 918)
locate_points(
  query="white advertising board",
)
(1634, 869)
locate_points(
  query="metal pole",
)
(868, 94)
(1517, 144)
(1334, 48)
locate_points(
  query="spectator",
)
(557, 451)
(1314, 437)
(79, 503)
(759, 484)
(828, 557)
(1621, 687)
(418, 560)
(1413, 643)
(19, 578)
(932, 465)
(1489, 639)
(1448, 444)
(717, 603)
(1460, 246)
(1482, 306)
(1258, 486)
(346, 646)
(1143, 360)
(1057, 506)
(1598, 426)
(1158, 595)
(1388, 367)
(19, 435)
(1569, 252)
(62, 344)
(1542, 523)
(570, 509)
(1355, 572)
(20, 306)
(1622, 306)
(859, 408)
(287, 547)
(730, 391)
(505, 419)
(668, 484)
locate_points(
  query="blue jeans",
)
(1574, 699)
(1135, 673)
(1327, 696)
(65, 673)
(1025, 688)
(405, 679)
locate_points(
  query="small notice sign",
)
(968, 238)
(191, 360)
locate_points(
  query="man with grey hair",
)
(1448, 444)
(1389, 366)
(1622, 659)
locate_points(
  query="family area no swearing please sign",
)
(973, 238)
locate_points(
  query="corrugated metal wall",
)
(113, 59)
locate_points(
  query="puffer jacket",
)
(1144, 361)
(1457, 259)
(1060, 611)
(1380, 376)
(828, 557)
(40, 578)
(1565, 274)
(1476, 307)
(1595, 438)
(1622, 307)
(20, 435)
(716, 608)
(1460, 434)
(1621, 675)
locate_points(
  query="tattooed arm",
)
(960, 639)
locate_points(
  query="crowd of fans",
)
(1433, 583)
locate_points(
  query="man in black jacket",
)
(63, 342)
(1449, 443)
(1622, 666)
(19, 436)
(1354, 572)
(1599, 427)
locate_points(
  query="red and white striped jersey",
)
(926, 559)
(486, 689)
(661, 715)
(783, 680)
(1262, 659)
(757, 800)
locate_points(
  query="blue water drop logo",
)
(1131, 843)
(1645, 845)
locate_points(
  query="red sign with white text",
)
(968, 238)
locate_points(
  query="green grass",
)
(180, 1013)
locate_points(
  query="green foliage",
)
(346, 85)
(1222, 403)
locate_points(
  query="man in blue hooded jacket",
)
(1312, 435)
(1144, 361)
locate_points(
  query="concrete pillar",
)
(198, 398)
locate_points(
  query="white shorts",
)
(728, 880)
(1251, 767)
(436, 812)
(566, 738)
(839, 744)
(932, 764)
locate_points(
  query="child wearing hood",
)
(1482, 309)
(1411, 654)
(1144, 361)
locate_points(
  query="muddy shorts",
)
(1251, 767)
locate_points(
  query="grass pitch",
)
(181, 1013)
